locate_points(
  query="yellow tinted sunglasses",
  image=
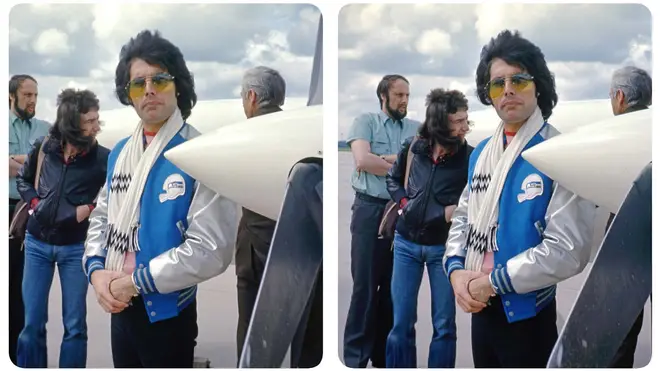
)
(137, 87)
(519, 82)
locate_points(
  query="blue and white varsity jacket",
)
(544, 235)
(184, 238)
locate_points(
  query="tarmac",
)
(567, 291)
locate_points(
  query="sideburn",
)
(22, 114)
(80, 142)
(450, 143)
(396, 115)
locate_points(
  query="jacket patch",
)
(173, 187)
(531, 187)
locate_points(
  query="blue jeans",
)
(409, 260)
(40, 260)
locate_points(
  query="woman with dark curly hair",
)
(516, 233)
(426, 181)
(157, 232)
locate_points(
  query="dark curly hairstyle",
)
(71, 104)
(158, 51)
(441, 103)
(518, 51)
(385, 84)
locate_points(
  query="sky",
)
(78, 45)
(438, 46)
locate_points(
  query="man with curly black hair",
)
(436, 163)
(516, 233)
(59, 182)
(157, 232)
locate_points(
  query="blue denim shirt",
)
(385, 136)
(22, 135)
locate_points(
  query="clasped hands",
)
(114, 290)
(472, 290)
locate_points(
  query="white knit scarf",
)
(490, 172)
(126, 186)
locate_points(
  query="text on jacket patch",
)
(173, 187)
(531, 187)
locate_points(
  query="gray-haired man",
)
(263, 91)
(630, 91)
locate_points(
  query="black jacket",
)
(62, 187)
(431, 187)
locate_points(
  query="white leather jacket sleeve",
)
(95, 252)
(564, 250)
(207, 249)
(455, 245)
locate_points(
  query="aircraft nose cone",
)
(249, 161)
(598, 161)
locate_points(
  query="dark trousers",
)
(251, 255)
(307, 346)
(625, 355)
(250, 260)
(138, 343)
(496, 343)
(16, 310)
(370, 316)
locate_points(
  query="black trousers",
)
(138, 343)
(250, 260)
(16, 309)
(496, 343)
(370, 315)
(625, 356)
(307, 346)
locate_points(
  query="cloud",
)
(434, 43)
(78, 45)
(438, 45)
(52, 43)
